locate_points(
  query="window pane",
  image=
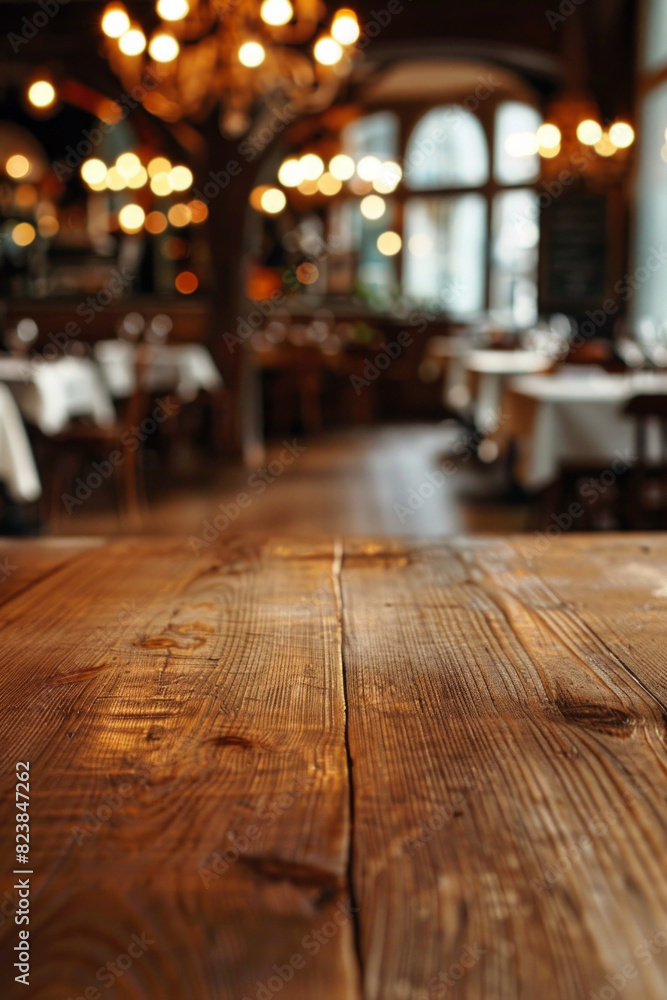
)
(448, 148)
(655, 34)
(650, 299)
(514, 258)
(513, 117)
(375, 134)
(445, 252)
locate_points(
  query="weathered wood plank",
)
(173, 709)
(508, 773)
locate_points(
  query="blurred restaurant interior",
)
(394, 269)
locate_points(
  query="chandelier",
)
(233, 54)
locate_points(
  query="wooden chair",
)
(84, 442)
(645, 499)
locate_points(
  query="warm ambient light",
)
(548, 136)
(622, 135)
(48, 226)
(329, 185)
(161, 185)
(172, 10)
(198, 210)
(155, 222)
(186, 283)
(132, 43)
(159, 165)
(373, 207)
(115, 180)
(41, 94)
(327, 51)
(369, 168)
(179, 215)
(549, 153)
(23, 234)
(17, 166)
(163, 48)
(252, 54)
(589, 132)
(388, 178)
(290, 174)
(94, 171)
(342, 167)
(131, 218)
(345, 27)
(389, 244)
(115, 22)
(276, 12)
(139, 179)
(128, 164)
(180, 178)
(604, 146)
(312, 166)
(273, 201)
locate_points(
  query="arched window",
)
(471, 239)
(447, 149)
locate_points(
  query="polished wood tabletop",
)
(337, 769)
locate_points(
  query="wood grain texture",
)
(494, 711)
(196, 705)
(509, 769)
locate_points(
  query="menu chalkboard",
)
(574, 253)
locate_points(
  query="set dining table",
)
(49, 395)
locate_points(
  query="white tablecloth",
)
(17, 466)
(580, 418)
(51, 394)
(494, 369)
(185, 369)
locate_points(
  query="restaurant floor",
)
(358, 482)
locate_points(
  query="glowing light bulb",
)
(290, 173)
(115, 180)
(388, 177)
(548, 136)
(17, 166)
(128, 164)
(589, 132)
(327, 51)
(342, 167)
(312, 166)
(329, 185)
(163, 48)
(94, 171)
(41, 94)
(23, 234)
(180, 178)
(276, 12)
(161, 185)
(179, 215)
(622, 135)
(139, 179)
(131, 218)
(389, 244)
(155, 222)
(273, 201)
(373, 207)
(252, 54)
(115, 21)
(369, 168)
(159, 165)
(173, 10)
(132, 43)
(345, 27)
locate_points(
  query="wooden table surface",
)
(338, 770)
